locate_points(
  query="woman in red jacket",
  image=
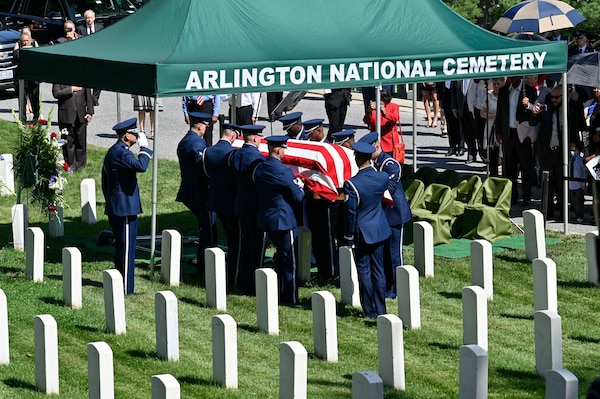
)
(390, 118)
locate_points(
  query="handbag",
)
(398, 148)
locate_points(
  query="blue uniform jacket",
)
(363, 211)
(194, 184)
(242, 163)
(399, 213)
(119, 181)
(221, 187)
(277, 194)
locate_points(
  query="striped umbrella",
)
(538, 16)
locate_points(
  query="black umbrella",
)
(584, 69)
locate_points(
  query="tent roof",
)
(179, 47)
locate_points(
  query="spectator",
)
(488, 112)
(337, 102)
(577, 187)
(89, 28)
(31, 88)
(430, 94)
(143, 104)
(389, 121)
(247, 108)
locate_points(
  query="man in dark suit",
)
(75, 110)
(122, 194)
(461, 93)
(90, 27)
(397, 214)
(221, 194)
(242, 163)
(193, 191)
(367, 228)
(278, 193)
(337, 102)
(510, 113)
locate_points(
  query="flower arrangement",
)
(39, 164)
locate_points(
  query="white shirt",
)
(513, 103)
(245, 99)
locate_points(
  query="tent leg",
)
(154, 194)
(414, 125)
(565, 155)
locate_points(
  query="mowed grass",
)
(431, 353)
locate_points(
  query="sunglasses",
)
(556, 96)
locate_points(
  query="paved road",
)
(171, 127)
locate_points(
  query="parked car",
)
(46, 17)
(8, 39)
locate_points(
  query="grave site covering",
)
(432, 350)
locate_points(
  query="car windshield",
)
(101, 7)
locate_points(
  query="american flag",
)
(323, 166)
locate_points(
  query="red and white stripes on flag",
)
(324, 166)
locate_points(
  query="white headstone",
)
(390, 344)
(324, 326)
(216, 280)
(88, 201)
(535, 235)
(165, 386)
(592, 258)
(34, 254)
(224, 346)
(304, 249)
(114, 301)
(561, 384)
(170, 268)
(56, 223)
(101, 376)
(167, 325)
(544, 285)
(366, 385)
(548, 341)
(45, 337)
(7, 176)
(423, 243)
(4, 344)
(293, 365)
(71, 270)
(409, 302)
(267, 302)
(20, 222)
(475, 323)
(349, 278)
(473, 373)
(482, 267)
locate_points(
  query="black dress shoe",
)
(470, 159)
(461, 152)
(525, 202)
(450, 152)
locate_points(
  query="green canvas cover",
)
(181, 47)
(436, 209)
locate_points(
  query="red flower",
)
(66, 167)
(52, 208)
(43, 122)
(53, 135)
(31, 125)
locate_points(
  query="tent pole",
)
(22, 101)
(232, 110)
(414, 125)
(154, 191)
(378, 112)
(118, 107)
(565, 154)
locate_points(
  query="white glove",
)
(142, 140)
(298, 181)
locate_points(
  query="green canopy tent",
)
(182, 47)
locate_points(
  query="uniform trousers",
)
(231, 225)
(286, 260)
(125, 233)
(251, 247)
(371, 277)
(74, 150)
(205, 240)
(467, 126)
(321, 221)
(392, 257)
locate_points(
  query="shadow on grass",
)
(348, 311)
(89, 329)
(91, 283)
(575, 284)
(518, 258)
(522, 379)
(248, 327)
(192, 380)
(517, 316)
(142, 353)
(445, 346)
(329, 383)
(52, 301)
(193, 302)
(586, 339)
(451, 295)
(15, 383)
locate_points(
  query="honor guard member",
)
(314, 130)
(292, 124)
(122, 194)
(321, 217)
(242, 163)
(366, 228)
(278, 193)
(193, 191)
(397, 215)
(209, 104)
(221, 193)
(345, 138)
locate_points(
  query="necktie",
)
(200, 100)
(90, 30)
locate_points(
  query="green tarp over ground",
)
(179, 47)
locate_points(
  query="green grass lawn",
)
(431, 353)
